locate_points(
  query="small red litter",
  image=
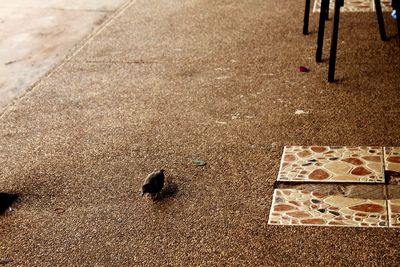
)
(303, 69)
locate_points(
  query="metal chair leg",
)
(398, 22)
(396, 6)
(306, 17)
(321, 30)
(335, 31)
(381, 23)
(327, 11)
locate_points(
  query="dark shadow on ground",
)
(392, 177)
(4, 262)
(170, 190)
(6, 200)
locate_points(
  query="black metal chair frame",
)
(321, 29)
(396, 6)
(307, 16)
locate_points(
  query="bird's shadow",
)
(6, 200)
(169, 190)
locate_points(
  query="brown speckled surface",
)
(170, 81)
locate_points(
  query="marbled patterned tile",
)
(394, 205)
(392, 159)
(355, 5)
(318, 207)
(394, 213)
(386, 5)
(332, 164)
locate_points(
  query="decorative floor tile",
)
(355, 5)
(332, 164)
(394, 213)
(392, 159)
(394, 205)
(386, 5)
(340, 207)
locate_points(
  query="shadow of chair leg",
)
(392, 177)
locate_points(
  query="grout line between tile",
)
(386, 186)
(387, 206)
(383, 164)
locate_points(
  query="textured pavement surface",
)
(37, 35)
(167, 82)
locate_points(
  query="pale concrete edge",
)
(73, 52)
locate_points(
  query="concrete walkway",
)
(167, 82)
(37, 35)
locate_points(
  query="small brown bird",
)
(154, 183)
